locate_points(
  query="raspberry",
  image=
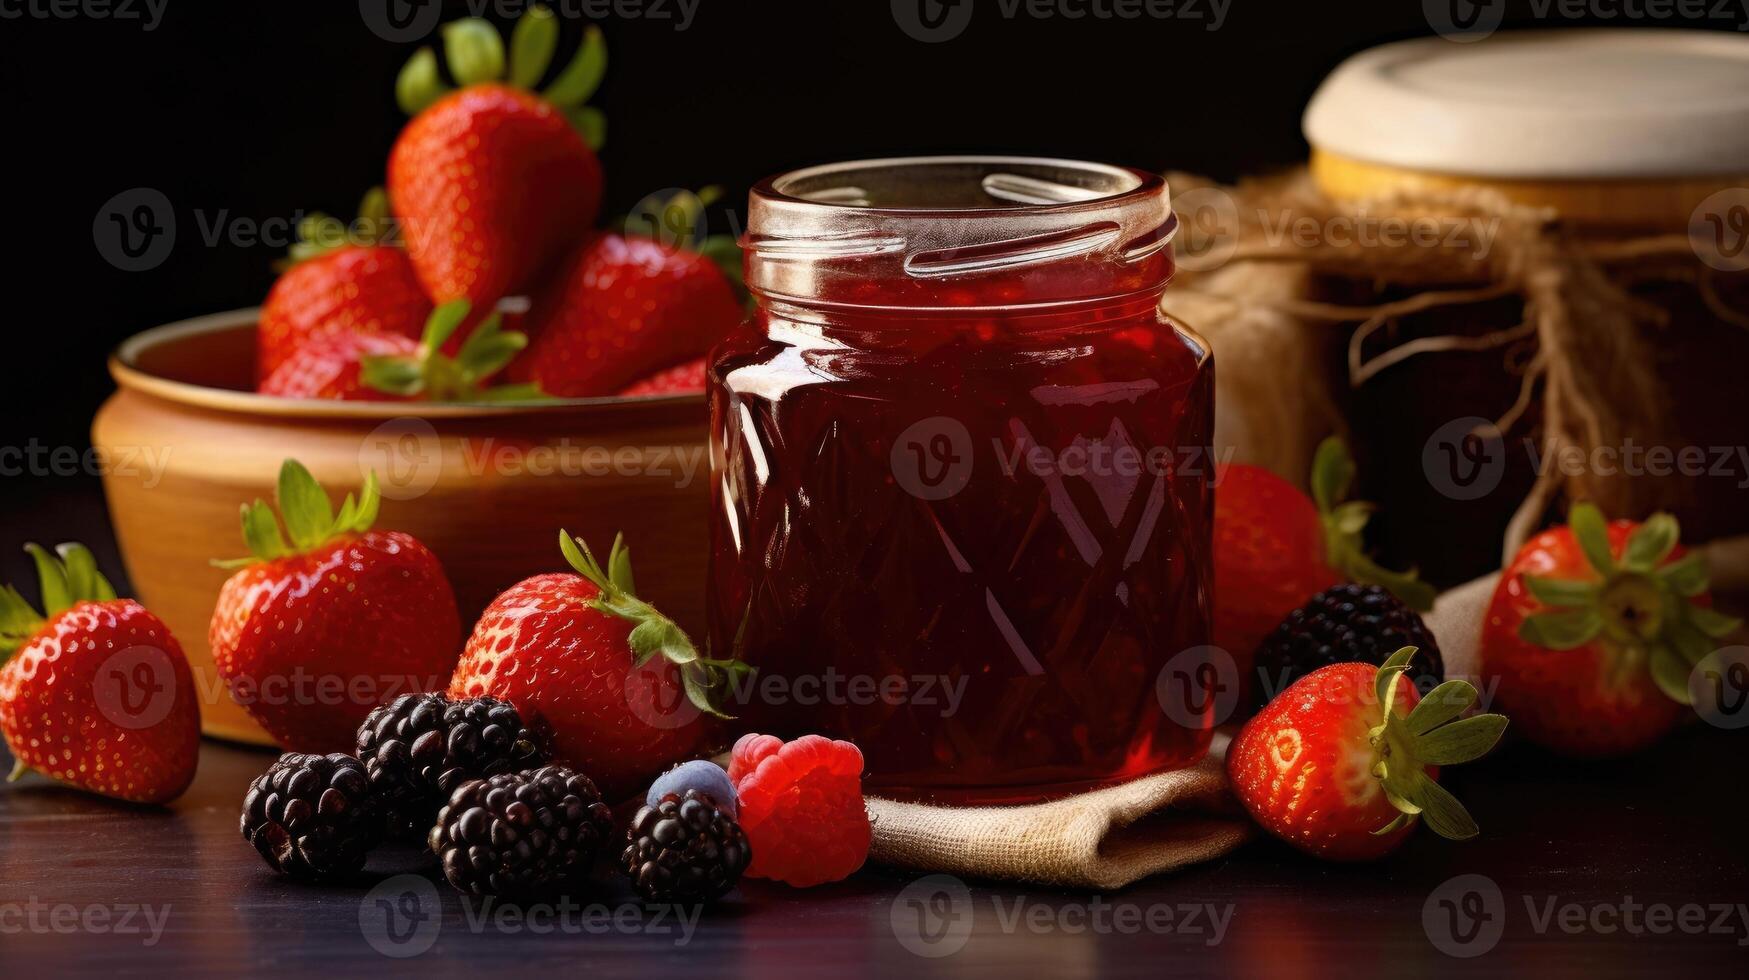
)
(801, 807)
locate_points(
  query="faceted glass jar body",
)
(961, 476)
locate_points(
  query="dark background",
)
(256, 111)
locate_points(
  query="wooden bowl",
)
(486, 487)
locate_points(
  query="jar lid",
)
(1582, 104)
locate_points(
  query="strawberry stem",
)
(476, 56)
(1637, 607)
(706, 681)
(1428, 736)
(309, 519)
(1345, 522)
(432, 375)
(67, 578)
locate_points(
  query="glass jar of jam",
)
(962, 486)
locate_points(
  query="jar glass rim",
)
(1098, 185)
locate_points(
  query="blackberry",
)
(420, 747)
(520, 833)
(1345, 624)
(686, 848)
(311, 816)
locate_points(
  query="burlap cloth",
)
(1104, 839)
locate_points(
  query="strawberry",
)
(98, 694)
(352, 366)
(493, 182)
(311, 635)
(682, 379)
(602, 669)
(1327, 769)
(330, 367)
(621, 307)
(1275, 548)
(337, 286)
(1594, 629)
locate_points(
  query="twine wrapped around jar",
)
(1589, 343)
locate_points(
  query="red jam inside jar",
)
(961, 476)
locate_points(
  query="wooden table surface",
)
(93, 887)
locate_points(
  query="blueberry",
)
(700, 774)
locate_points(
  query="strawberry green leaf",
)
(1651, 543)
(19, 769)
(1464, 740)
(1399, 821)
(1690, 643)
(660, 635)
(56, 595)
(303, 506)
(81, 570)
(444, 322)
(1712, 622)
(18, 621)
(1670, 672)
(701, 688)
(308, 517)
(532, 43)
(1407, 586)
(579, 79)
(1687, 576)
(1439, 809)
(420, 83)
(261, 532)
(391, 375)
(619, 566)
(1344, 523)
(370, 501)
(1591, 531)
(590, 123)
(474, 51)
(1562, 592)
(1561, 630)
(1385, 681)
(1445, 702)
(1332, 473)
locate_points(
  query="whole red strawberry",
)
(1326, 768)
(682, 379)
(98, 694)
(493, 182)
(620, 308)
(618, 686)
(1594, 630)
(351, 366)
(1275, 548)
(331, 367)
(312, 634)
(340, 283)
